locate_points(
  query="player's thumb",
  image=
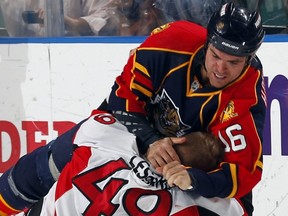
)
(178, 140)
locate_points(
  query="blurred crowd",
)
(26, 18)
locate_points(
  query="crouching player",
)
(107, 176)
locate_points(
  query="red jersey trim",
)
(6, 209)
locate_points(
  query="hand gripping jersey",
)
(162, 80)
(106, 176)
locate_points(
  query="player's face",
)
(221, 67)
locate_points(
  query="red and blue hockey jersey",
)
(162, 80)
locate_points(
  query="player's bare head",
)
(201, 150)
(235, 30)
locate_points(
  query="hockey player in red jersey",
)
(187, 78)
(182, 78)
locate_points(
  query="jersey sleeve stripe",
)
(142, 69)
(142, 79)
(142, 90)
(6, 208)
(259, 164)
(233, 171)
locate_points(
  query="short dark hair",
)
(201, 150)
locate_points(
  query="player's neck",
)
(204, 77)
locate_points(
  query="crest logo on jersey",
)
(160, 28)
(166, 116)
(228, 113)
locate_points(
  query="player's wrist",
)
(194, 183)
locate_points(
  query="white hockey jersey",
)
(106, 176)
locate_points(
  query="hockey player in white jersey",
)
(107, 176)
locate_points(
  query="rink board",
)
(48, 85)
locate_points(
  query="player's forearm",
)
(27, 181)
(140, 127)
(217, 184)
(35, 173)
(228, 181)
